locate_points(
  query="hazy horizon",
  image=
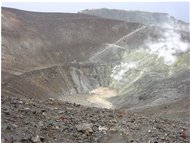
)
(179, 10)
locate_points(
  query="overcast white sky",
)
(179, 10)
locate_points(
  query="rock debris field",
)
(53, 121)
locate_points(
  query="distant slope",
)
(146, 18)
(33, 40)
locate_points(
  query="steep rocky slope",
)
(31, 40)
(154, 69)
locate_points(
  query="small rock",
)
(102, 128)
(123, 122)
(95, 128)
(26, 108)
(14, 126)
(55, 108)
(42, 139)
(51, 99)
(40, 123)
(60, 112)
(35, 139)
(57, 127)
(162, 138)
(8, 127)
(86, 128)
(44, 113)
(112, 129)
(21, 102)
(114, 121)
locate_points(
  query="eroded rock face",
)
(59, 80)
